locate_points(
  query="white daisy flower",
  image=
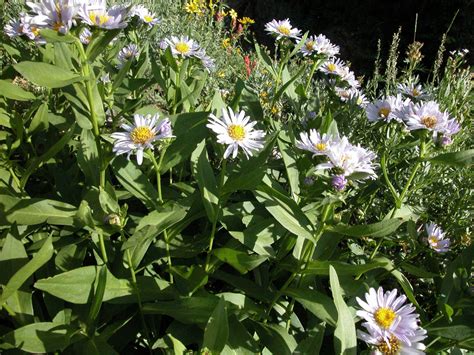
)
(282, 29)
(85, 36)
(57, 15)
(315, 143)
(387, 316)
(412, 90)
(319, 45)
(387, 109)
(236, 130)
(393, 345)
(127, 53)
(141, 135)
(436, 238)
(427, 116)
(181, 46)
(23, 26)
(347, 159)
(144, 15)
(348, 76)
(352, 95)
(95, 13)
(333, 66)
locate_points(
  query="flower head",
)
(57, 15)
(392, 345)
(141, 135)
(387, 109)
(429, 116)
(347, 159)
(333, 67)
(339, 182)
(319, 45)
(147, 17)
(85, 36)
(282, 29)
(95, 13)
(387, 318)
(315, 143)
(181, 46)
(413, 91)
(23, 26)
(127, 53)
(436, 238)
(236, 130)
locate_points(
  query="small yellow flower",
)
(246, 21)
(233, 14)
(194, 7)
(221, 74)
(226, 43)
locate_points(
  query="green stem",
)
(102, 248)
(139, 299)
(383, 164)
(86, 73)
(10, 311)
(313, 69)
(216, 217)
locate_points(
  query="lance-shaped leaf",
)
(47, 75)
(217, 329)
(14, 92)
(463, 158)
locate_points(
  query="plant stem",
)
(383, 164)
(86, 73)
(313, 69)
(157, 166)
(139, 299)
(102, 248)
(7, 308)
(216, 217)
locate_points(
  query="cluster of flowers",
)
(341, 78)
(62, 15)
(408, 109)
(392, 326)
(346, 161)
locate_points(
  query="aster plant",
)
(155, 197)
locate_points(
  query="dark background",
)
(357, 25)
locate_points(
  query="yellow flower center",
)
(385, 317)
(141, 135)
(57, 26)
(332, 67)
(285, 30)
(392, 348)
(384, 112)
(320, 146)
(182, 47)
(429, 121)
(35, 31)
(148, 18)
(236, 132)
(309, 45)
(415, 92)
(98, 18)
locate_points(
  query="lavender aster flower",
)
(436, 238)
(339, 182)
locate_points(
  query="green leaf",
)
(217, 329)
(52, 36)
(286, 85)
(12, 257)
(38, 338)
(188, 310)
(378, 229)
(250, 171)
(80, 280)
(206, 180)
(88, 157)
(36, 163)
(99, 43)
(47, 75)
(189, 129)
(40, 119)
(23, 274)
(275, 338)
(289, 160)
(14, 92)
(36, 211)
(101, 280)
(315, 302)
(239, 260)
(345, 341)
(135, 182)
(285, 210)
(463, 158)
